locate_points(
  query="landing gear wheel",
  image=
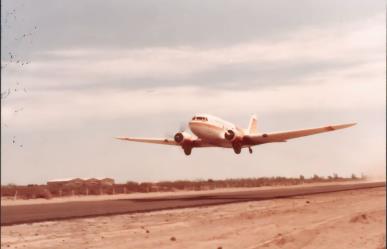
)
(250, 150)
(187, 150)
(237, 148)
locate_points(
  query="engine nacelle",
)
(231, 135)
(180, 137)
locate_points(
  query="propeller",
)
(229, 135)
(169, 134)
(182, 128)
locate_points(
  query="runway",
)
(20, 214)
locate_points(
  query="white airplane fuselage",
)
(211, 129)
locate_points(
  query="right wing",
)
(167, 141)
(283, 136)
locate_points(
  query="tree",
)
(316, 177)
(132, 186)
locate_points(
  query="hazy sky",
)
(87, 71)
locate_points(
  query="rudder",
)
(252, 128)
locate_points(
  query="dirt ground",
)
(349, 219)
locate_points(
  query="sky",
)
(75, 74)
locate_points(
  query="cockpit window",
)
(200, 118)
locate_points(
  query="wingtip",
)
(345, 125)
(119, 138)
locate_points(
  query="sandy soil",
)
(10, 201)
(349, 219)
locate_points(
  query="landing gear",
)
(250, 150)
(187, 150)
(187, 147)
(237, 147)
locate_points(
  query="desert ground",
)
(348, 219)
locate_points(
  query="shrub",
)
(43, 193)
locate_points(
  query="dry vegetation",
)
(33, 191)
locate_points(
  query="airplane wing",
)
(167, 141)
(284, 136)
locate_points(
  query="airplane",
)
(211, 131)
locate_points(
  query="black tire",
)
(237, 148)
(187, 151)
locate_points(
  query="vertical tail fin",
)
(252, 128)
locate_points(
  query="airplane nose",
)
(190, 125)
(193, 127)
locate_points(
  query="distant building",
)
(68, 182)
(78, 182)
(99, 181)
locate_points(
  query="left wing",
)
(167, 141)
(283, 136)
(150, 140)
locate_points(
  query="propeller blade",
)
(183, 127)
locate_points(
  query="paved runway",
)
(19, 214)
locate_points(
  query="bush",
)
(43, 193)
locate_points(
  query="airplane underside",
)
(237, 146)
